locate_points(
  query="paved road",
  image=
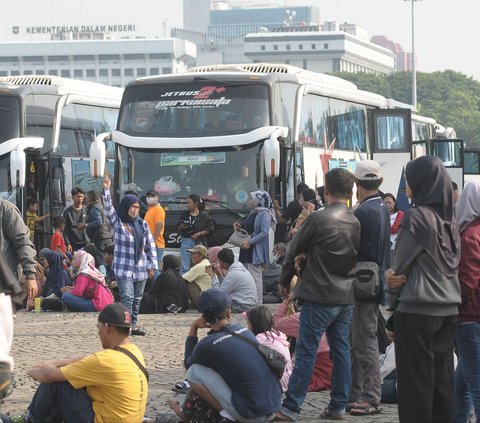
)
(50, 335)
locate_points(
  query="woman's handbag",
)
(238, 237)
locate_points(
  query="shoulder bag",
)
(275, 360)
(238, 237)
(367, 281)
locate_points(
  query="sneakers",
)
(138, 332)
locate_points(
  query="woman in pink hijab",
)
(89, 292)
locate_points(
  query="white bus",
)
(221, 131)
(47, 124)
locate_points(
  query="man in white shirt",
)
(197, 280)
(237, 282)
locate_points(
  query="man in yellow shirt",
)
(110, 386)
(155, 218)
(197, 279)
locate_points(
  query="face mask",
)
(151, 200)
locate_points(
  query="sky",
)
(446, 32)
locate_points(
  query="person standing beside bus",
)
(255, 251)
(194, 225)
(155, 218)
(75, 215)
(135, 256)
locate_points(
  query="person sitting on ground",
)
(227, 372)
(289, 324)
(57, 276)
(89, 292)
(237, 282)
(168, 293)
(259, 321)
(213, 255)
(197, 280)
(271, 274)
(115, 379)
(40, 279)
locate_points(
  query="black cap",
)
(115, 314)
(151, 192)
(213, 302)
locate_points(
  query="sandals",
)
(365, 410)
(181, 387)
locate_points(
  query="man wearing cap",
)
(155, 218)
(374, 247)
(107, 386)
(197, 278)
(228, 373)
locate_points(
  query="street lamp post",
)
(413, 60)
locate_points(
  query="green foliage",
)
(451, 98)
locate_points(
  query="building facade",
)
(319, 51)
(111, 62)
(403, 59)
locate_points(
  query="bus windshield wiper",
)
(4, 109)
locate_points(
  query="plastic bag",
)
(166, 186)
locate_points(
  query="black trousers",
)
(424, 358)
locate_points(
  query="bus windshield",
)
(9, 118)
(194, 109)
(223, 178)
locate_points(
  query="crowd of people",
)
(328, 275)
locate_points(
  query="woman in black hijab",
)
(425, 291)
(168, 293)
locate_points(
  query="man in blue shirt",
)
(228, 373)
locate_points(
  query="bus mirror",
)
(18, 167)
(98, 155)
(271, 152)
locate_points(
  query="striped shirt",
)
(124, 264)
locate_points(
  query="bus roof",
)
(62, 85)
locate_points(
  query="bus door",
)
(390, 134)
(471, 168)
(451, 153)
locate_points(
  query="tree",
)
(451, 98)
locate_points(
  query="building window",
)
(90, 73)
(129, 72)
(166, 71)
(50, 72)
(325, 46)
(39, 72)
(300, 46)
(288, 46)
(3, 73)
(103, 72)
(314, 46)
(14, 73)
(28, 72)
(262, 47)
(154, 71)
(275, 47)
(78, 73)
(116, 72)
(141, 72)
(65, 73)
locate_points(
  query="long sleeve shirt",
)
(124, 264)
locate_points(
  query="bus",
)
(47, 125)
(222, 131)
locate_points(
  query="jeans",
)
(185, 256)
(315, 319)
(467, 373)
(131, 293)
(214, 383)
(60, 402)
(75, 303)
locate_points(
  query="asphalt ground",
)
(51, 335)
